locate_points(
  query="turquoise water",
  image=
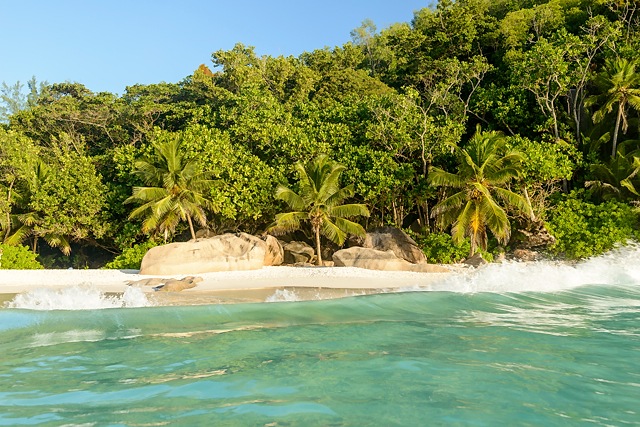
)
(566, 356)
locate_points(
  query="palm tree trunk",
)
(615, 131)
(316, 229)
(473, 245)
(193, 233)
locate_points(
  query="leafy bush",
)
(440, 248)
(545, 161)
(130, 258)
(18, 258)
(583, 229)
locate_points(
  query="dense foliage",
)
(17, 257)
(583, 229)
(440, 247)
(558, 79)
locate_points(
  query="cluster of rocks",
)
(382, 249)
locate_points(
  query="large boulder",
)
(395, 240)
(275, 252)
(225, 252)
(475, 261)
(298, 253)
(374, 259)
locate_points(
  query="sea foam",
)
(81, 297)
(620, 267)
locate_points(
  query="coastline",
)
(245, 285)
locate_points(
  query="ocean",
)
(534, 344)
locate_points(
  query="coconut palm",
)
(320, 203)
(175, 190)
(24, 223)
(619, 86)
(485, 168)
(619, 178)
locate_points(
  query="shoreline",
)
(242, 285)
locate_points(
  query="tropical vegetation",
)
(319, 202)
(86, 176)
(175, 192)
(485, 169)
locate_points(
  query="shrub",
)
(440, 248)
(18, 258)
(130, 258)
(583, 229)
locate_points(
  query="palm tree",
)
(619, 85)
(485, 168)
(175, 190)
(319, 202)
(619, 178)
(20, 225)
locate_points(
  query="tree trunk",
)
(473, 245)
(193, 233)
(556, 132)
(316, 229)
(8, 228)
(616, 130)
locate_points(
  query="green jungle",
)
(477, 127)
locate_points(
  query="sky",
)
(108, 45)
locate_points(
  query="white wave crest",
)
(81, 297)
(620, 267)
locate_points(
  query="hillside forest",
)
(475, 127)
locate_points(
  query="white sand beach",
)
(16, 281)
(82, 289)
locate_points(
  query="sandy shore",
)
(16, 281)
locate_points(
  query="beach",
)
(228, 286)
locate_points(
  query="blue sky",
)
(110, 44)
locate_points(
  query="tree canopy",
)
(398, 107)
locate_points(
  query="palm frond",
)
(329, 181)
(495, 218)
(148, 172)
(146, 194)
(478, 229)
(348, 211)
(439, 177)
(286, 222)
(58, 241)
(28, 218)
(339, 195)
(350, 227)
(308, 191)
(626, 183)
(290, 197)
(18, 236)
(453, 202)
(332, 232)
(513, 199)
(462, 225)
